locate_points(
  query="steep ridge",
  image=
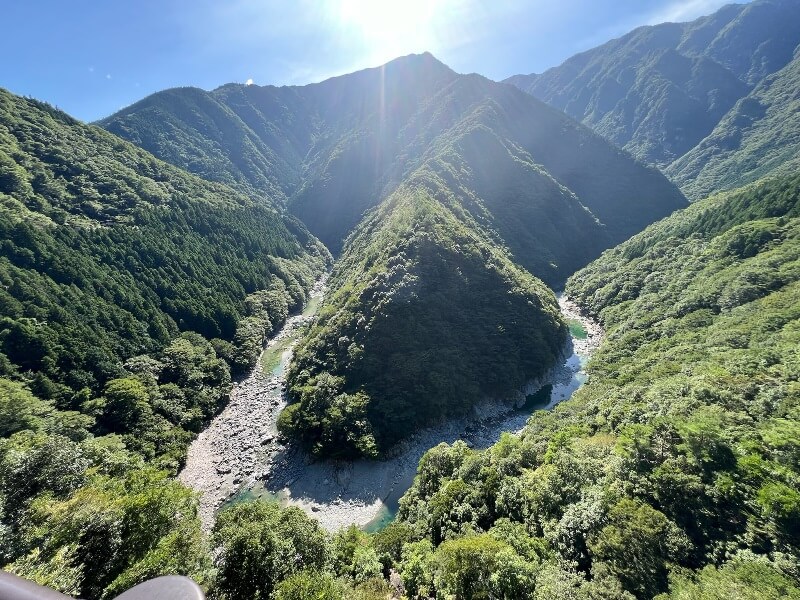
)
(426, 316)
(353, 139)
(660, 90)
(442, 183)
(332, 140)
(760, 135)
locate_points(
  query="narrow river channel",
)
(240, 456)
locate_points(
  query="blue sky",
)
(91, 58)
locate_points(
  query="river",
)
(240, 455)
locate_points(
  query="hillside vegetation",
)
(125, 286)
(679, 454)
(430, 186)
(758, 136)
(710, 101)
(338, 148)
(103, 242)
(425, 318)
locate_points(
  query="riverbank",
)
(583, 345)
(240, 456)
(366, 493)
(238, 445)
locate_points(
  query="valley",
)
(241, 443)
(408, 332)
(241, 456)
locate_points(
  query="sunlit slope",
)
(108, 253)
(760, 135)
(711, 101)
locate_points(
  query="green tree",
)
(469, 567)
(416, 568)
(19, 409)
(738, 580)
(306, 585)
(127, 403)
(261, 544)
(636, 546)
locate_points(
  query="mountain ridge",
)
(516, 179)
(381, 150)
(664, 91)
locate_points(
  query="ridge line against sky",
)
(91, 59)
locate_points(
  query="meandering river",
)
(240, 455)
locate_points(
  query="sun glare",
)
(389, 28)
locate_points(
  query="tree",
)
(127, 403)
(416, 568)
(739, 580)
(261, 544)
(389, 541)
(636, 546)
(19, 409)
(306, 585)
(465, 567)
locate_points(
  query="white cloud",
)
(249, 81)
(108, 76)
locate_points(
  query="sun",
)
(390, 28)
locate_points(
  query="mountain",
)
(441, 193)
(426, 317)
(112, 259)
(351, 140)
(674, 94)
(759, 135)
(682, 442)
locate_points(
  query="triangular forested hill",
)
(426, 316)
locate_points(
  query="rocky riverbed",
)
(241, 442)
(240, 456)
(583, 346)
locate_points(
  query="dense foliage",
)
(116, 268)
(712, 101)
(424, 318)
(108, 254)
(759, 135)
(132, 291)
(679, 454)
(459, 177)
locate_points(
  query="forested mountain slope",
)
(426, 316)
(423, 169)
(129, 292)
(108, 254)
(679, 453)
(760, 135)
(337, 148)
(688, 93)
